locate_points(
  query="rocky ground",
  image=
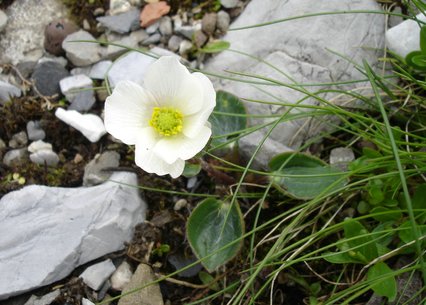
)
(52, 137)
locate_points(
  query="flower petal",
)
(193, 123)
(181, 147)
(127, 110)
(173, 86)
(151, 163)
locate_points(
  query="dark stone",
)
(55, 33)
(200, 38)
(46, 77)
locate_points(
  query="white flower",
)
(166, 118)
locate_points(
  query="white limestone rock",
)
(121, 277)
(100, 69)
(7, 91)
(95, 275)
(90, 125)
(52, 230)
(82, 53)
(405, 37)
(3, 20)
(301, 49)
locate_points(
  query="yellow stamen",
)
(166, 121)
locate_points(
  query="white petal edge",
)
(193, 123)
(173, 86)
(182, 147)
(151, 163)
(127, 110)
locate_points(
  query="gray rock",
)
(131, 67)
(45, 157)
(229, 3)
(78, 90)
(125, 42)
(2, 145)
(150, 295)
(46, 77)
(90, 125)
(153, 28)
(16, 157)
(188, 30)
(184, 47)
(52, 230)
(100, 69)
(223, 21)
(166, 28)
(34, 131)
(81, 70)
(42, 153)
(7, 91)
(180, 261)
(200, 38)
(96, 171)
(43, 300)
(81, 53)
(95, 275)
(24, 31)
(341, 157)
(300, 49)
(153, 39)
(122, 23)
(121, 276)
(174, 43)
(119, 6)
(85, 301)
(208, 23)
(56, 59)
(3, 20)
(405, 37)
(18, 140)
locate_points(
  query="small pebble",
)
(200, 38)
(18, 140)
(34, 131)
(87, 302)
(223, 21)
(39, 145)
(3, 20)
(166, 28)
(191, 182)
(45, 157)
(95, 275)
(208, 23)
(174, 43)
(229, 3)
(78, 158)
(16, 157)
(55, 33)
(153, 39)
(180, 204)
(184, 47)
(121, 276)
(152, 12)
(153, 28)
(86, 25)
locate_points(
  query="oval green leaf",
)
(216, 46)
(228, 118)
(307, 177)
(212, 225)
(383, 282)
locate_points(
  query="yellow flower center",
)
(166, 121)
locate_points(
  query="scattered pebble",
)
(78, 158)
(78, 90)
(127, 41)
(150, 295)
(229, 3)
(184, 47)
(223, 21)
(121, 277)
(16, 157)
(199, 38)
(188, 30)
(208, 23)
(100, 69)
(166, 28)
(180, 204)
(3, 20)
(95, 172)
(55, 33)
(86, 302)
(38, 146)
(340, 157)
(46, 77)
(153, 39)
(153, 28)
(34, 131)
(119, 6)
(7, 91)
(122, 23)
(174, 43)
(81, 53)
(18, 140)
(95, 275)
(43, 300)
(90, 125)
(152, 12)
(45, 157)
(180, 261)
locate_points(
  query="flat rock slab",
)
(52, 230)
(24, 31)
(301, 50)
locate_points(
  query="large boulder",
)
(48, 231)
(301, 51)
